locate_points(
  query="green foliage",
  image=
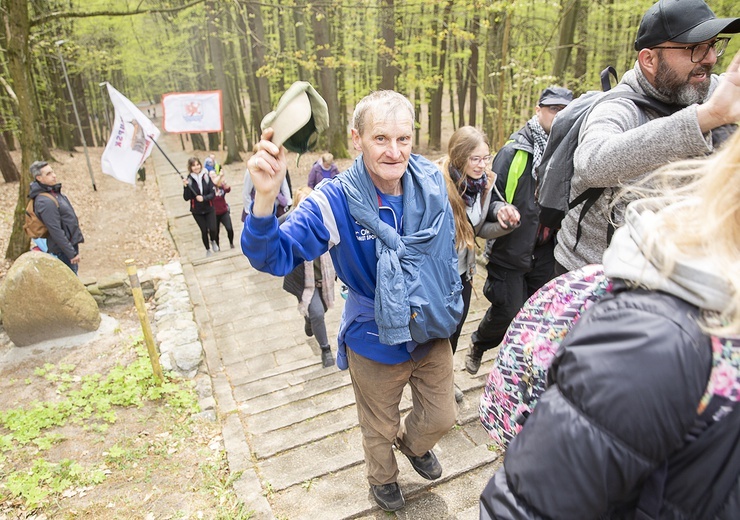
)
(45, 478)
(89, 402)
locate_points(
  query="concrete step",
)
(345, 493)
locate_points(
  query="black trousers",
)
(508, 290)
(208, 226)
(466, 295)
(225, 219)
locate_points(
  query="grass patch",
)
(113, 445)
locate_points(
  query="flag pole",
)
(173, 164)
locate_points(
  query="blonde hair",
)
(300, 195)
(327, 158)
(461, 146)
(697, 207)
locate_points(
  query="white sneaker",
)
(214, 246)
(209, 252)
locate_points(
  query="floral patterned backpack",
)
(519, 374)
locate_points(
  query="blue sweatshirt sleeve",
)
(279, 249)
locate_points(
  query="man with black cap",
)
(522, 261)
(620, 143)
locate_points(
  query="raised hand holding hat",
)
(301, 114)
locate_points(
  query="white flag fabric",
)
(130, 141)
(192, 112)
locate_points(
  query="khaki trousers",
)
(378, 391)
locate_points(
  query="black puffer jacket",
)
(62, 223)
(625, 394)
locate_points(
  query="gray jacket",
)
(59, 218)
(619, 145)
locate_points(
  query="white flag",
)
(130, 141)
(192, 112)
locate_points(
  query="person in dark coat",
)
(312, 283)
(641, 418)
(57, 214)
(199, 190)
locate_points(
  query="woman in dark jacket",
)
(641, 419)
(199, 190)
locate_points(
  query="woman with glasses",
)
(522, 261)
(469, 179)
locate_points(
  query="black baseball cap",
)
(682, 21)
(555, 96)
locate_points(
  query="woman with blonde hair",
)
(470, 183)
(641, 417)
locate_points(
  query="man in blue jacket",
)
(388, 226)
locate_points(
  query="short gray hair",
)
(389, 100)
(36, 168)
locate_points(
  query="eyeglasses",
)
(476, 159)
(700, 50)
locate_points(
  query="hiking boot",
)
(214, 246)
(307, 327)
(473, 359)
(427, 465)
(327, 359)
(458, 394)
(388, 496)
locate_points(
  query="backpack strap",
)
(591, 195)
(44, 194)
(606, 76)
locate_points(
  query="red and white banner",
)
(130, 141)
(192, 112)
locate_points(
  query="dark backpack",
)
(556, 167)
(33, 227)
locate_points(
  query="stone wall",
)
(116, 289)
(175, 331)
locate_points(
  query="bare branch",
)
(57, 15)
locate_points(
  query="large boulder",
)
(41, 299)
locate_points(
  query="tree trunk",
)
(387, 51)
(435, 101)
(214, 40)
(299, 21)
(7, 166)
(336, 136)
(256, 43)
(253, 122)
(565, 40)
(494, 77)
(15, 19)
(580, 65)
(473, 72)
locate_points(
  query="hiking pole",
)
(173, 164)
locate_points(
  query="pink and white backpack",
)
(519, 374)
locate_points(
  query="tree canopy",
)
(460, 62)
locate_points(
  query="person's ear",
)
(356, 141)
(648, 60)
